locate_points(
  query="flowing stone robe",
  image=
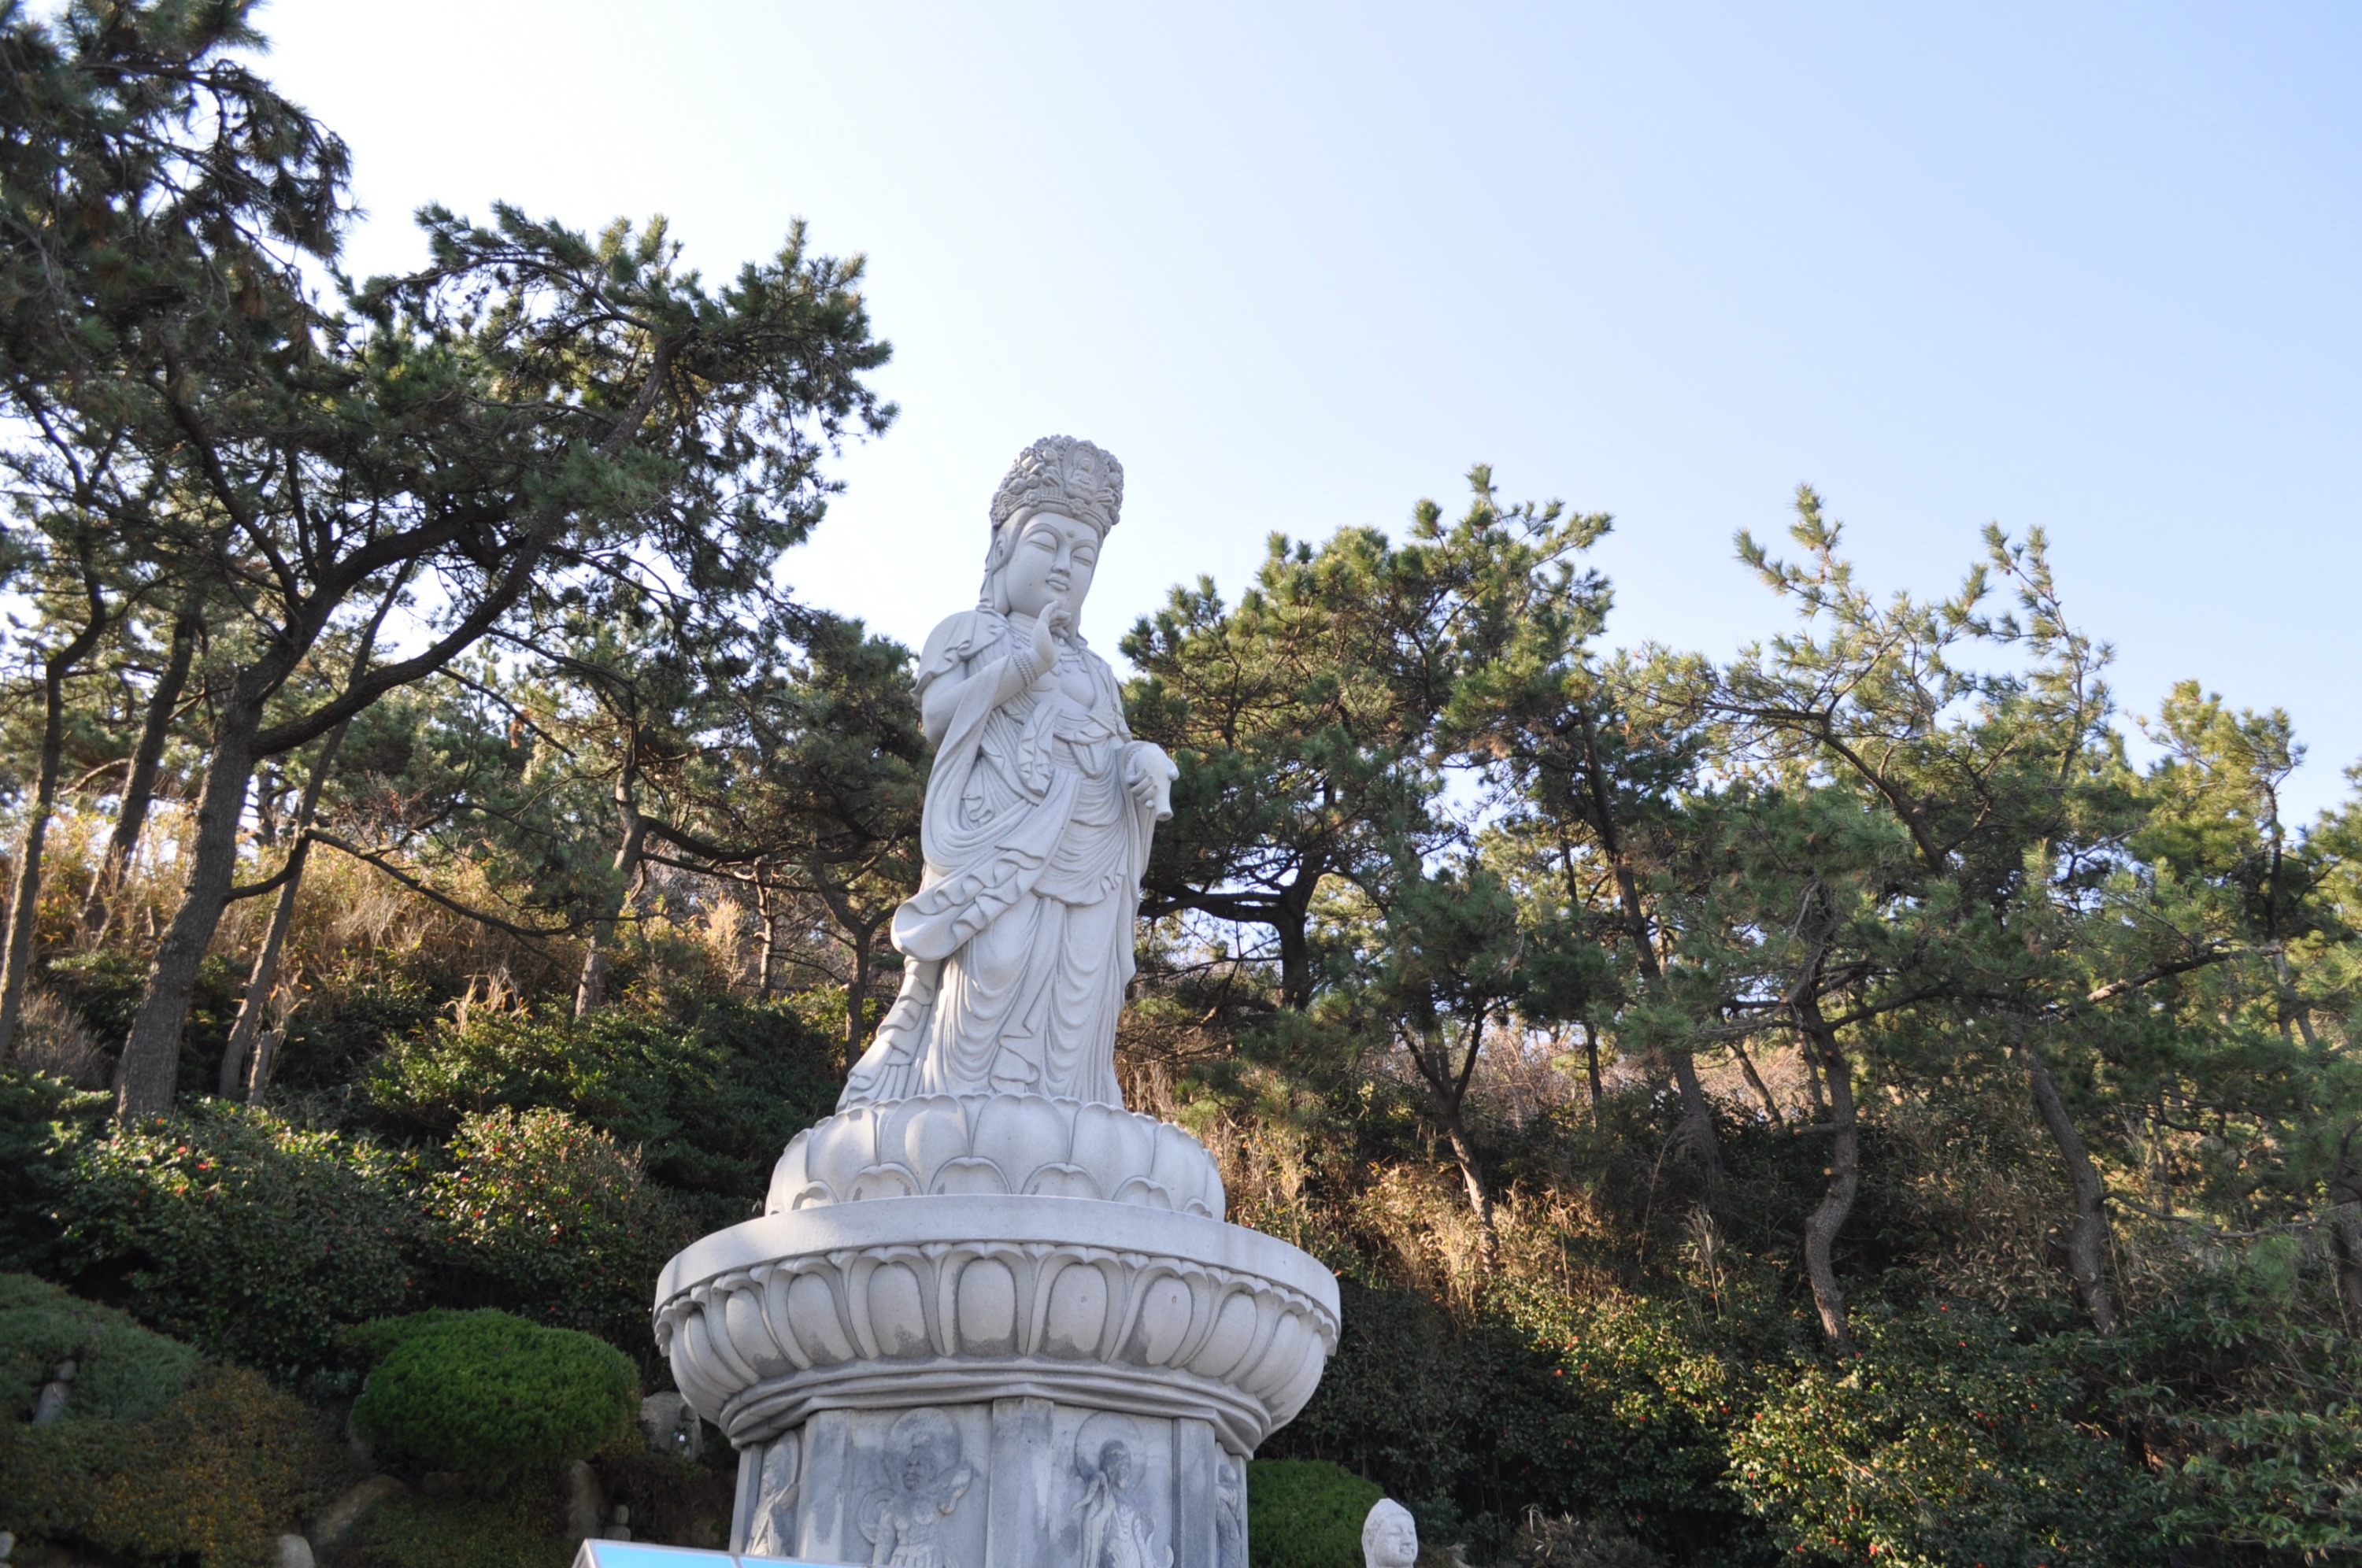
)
(1019, 942)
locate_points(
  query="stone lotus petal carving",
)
(1013, 1145)
(1106, 1305)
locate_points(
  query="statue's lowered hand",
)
(1149, 775)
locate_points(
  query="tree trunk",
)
(140, 784)
(856, 993)
(150, 1067)
(2346, 1230)
(768, 974)
(1291, 914)
(1755, 1081)
(1472, 1176)
(1828, 1216)
(24, 910)
(1591, 1064)
(264, 977)
(1813, 1081)
(1697, 1128)
(1697, 1117)
(2087, 1239)
(591, 991)
(2348, 1234)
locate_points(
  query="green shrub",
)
(490, 1395)
(1942, 1442)
(332, 1039)
(709, 1089)
(1305, 1513)
(233, 1229)
(673, 1500)
(41, 1118)
(1543, 1542)
(520, 1525)
(1600, 1406)
(122, 1371)
(215, 1476)
(2271, 1468)
(543, 1215)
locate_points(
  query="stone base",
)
(995, 1333)
(1009, 1484)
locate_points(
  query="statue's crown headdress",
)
(1058, 473)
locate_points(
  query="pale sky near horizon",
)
(2092, 269)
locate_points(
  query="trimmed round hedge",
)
(125, 1374)
(487, 1394)
(1305, 1513)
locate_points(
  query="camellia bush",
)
(489, 1395)
(1942, 1442)
(708, 1088)
(252, 1238)
(539, 1213)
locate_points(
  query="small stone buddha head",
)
(1049, 518)
(1389, 1536)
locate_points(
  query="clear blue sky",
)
(2095, 269)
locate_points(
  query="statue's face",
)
(1398, 1542)
(918, 1468)
(1050, 563)
(1115, 1463)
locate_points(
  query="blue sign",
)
(648, 1554)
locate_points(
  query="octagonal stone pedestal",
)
(944, 1348)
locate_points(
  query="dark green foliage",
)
(1943, 1440)
(1545, 1542)
(40, 1118)
(670, 1498)
(104, 985)
(123, 1373)
(333, 1045)
(1613, 1407)
(708, 1088)
(515, 1526)
(213, 1478)
(490, 1395)
(248, 1236)
(1305, 1513)
(541, 1214)
(2268, 1411)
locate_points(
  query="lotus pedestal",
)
(1002, 1332)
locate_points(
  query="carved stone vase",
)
(988, 1318)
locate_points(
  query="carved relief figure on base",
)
(773, 1533)
(1389, 1536)
(1037, 819)
(903, 1520)
(1115, 1533)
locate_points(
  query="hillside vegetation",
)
(1832, 1104)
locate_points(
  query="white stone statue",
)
(1389, 1536)
(1037, 819)
(989, 1318)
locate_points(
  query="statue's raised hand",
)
(1047, 627)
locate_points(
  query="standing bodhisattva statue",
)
(989, 1318)
(1037, 820)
